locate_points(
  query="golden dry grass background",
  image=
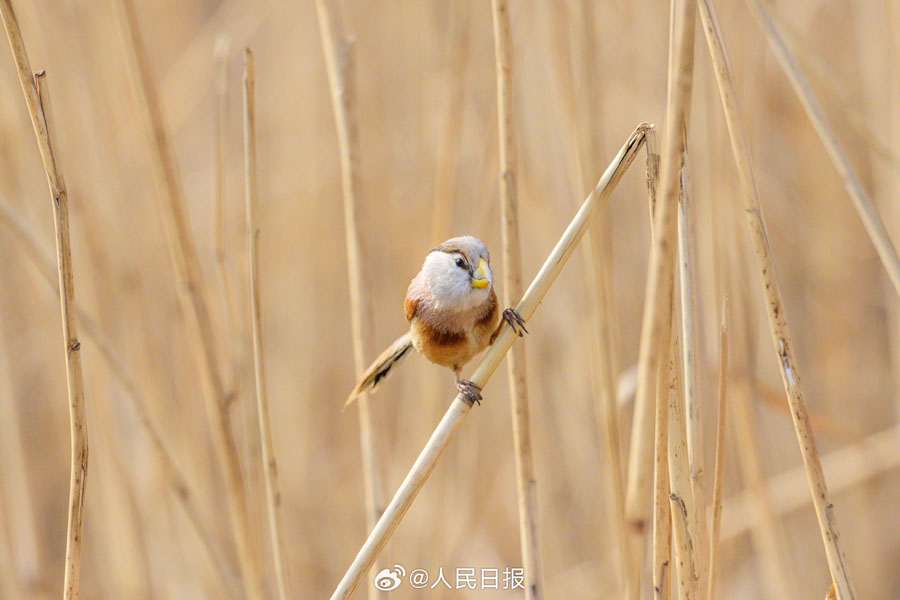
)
(137, 541)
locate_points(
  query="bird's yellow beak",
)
(479, 278)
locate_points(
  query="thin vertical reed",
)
(223, 55)
(692, 404)
(662, 513)
(270, 465)
(684, 529)
(526, 482)
(37, 99)
(720, 456)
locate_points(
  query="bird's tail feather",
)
(383, 365)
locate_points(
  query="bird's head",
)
(458, 273)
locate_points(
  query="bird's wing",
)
(383, 365)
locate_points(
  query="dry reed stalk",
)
(720, 457)
(661, 550)
(339, 62)
(655, 332)
(861, 201)
(692, 405)
(848, 467)
(222, 53)
(192, 293)
(460, 407)
(37, 100)
(183, 489)
(684, 529)
(270, 465)
(781, 336)
(526, 482)
(74, 381)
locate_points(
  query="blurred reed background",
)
(425, 92)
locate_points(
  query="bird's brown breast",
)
(451, 340)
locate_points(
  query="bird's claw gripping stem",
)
(470, 390)
(515, 320)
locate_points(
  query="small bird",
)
(453, 315)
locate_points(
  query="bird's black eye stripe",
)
(461, 263)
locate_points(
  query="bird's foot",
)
(470, 390)
(515, 320)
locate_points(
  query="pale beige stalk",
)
(684, 530)
(781, 335)
(223, 55)
(460, 407)
(526, 482)
(192, 293)
(339, 62)
(654, 330)
(692, 404)
(720, 456)
(37, 99)
(861, 201)
(661, 550)
(270, 465)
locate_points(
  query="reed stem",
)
(526, 482)
(720, 456)
(270, 465)
(37, 99)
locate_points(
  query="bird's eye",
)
(460, 263)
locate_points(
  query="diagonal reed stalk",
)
(720, 457)
(861, 201)
(339, 63)
(270, 465)
(195, 304)
(37, 99)
(526, 482)
(460, 407)
(655, 330)
(781, 335)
